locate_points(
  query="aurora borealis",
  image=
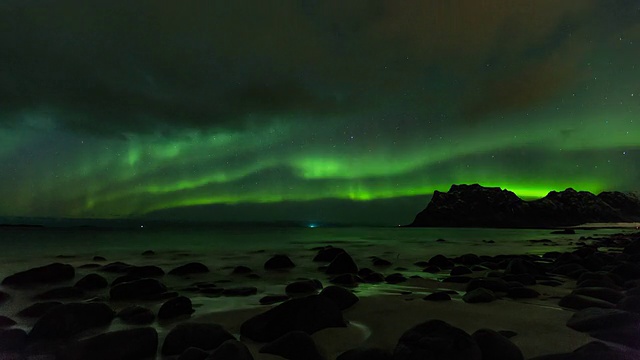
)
(125, 109)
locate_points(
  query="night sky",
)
(310, 110)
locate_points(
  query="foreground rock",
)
(141, 343)
(435, 339)
(308, 314)
(593, 351)
(137, 289)
(279, 262)
(231, 350)
(495, 346)
(204, 336)
(613, 325)
(66, 320)
(41, 275)
(365, 354)
(293, 345)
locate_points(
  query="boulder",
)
(140, 343)
(460, 270)
(4, 297)
(602, 293)
(438, 296)
(441, 262)
(175, 307)
(38, 309)
(365, 354)
(479, 295)
(6, 321)
(205, 336)
(303, 287)
(342, 297)
(346, 280)
(592, 319)
(136, 315)
(67, 292)
(327, 254)
(279, 262)
(51, 273)
(273, 299)
(493, 284)
(12, 340)
(495, 346)
(342, 264)
(436, 340)
(193, 353)
(231, 350)
(308, 314)
(395, 278)
(67, 320)
(579, 302)
(137, 289)
(522, 293)
(92, 282)
(630, 303)
(190, 268)
(240, 291)
(293, 345)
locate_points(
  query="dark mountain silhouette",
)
(478, 206)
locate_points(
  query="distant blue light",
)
(313, 225)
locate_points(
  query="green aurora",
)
(350, 114)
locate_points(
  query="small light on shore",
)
(141, 226)
(313, 225)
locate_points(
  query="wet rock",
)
(346, 280)
(342, 264)
(493, 284)
(67, 292)
(594, 350)
(374, 277)
(273, 299)
(602, 293)
(124, 279)
(137, 289)
(66, 320)
(6, 322)
(495, 346)
(468, 259)
(38, 309)
(522, 293)
(136, 315)
(553, 283)
(205, 336)
(441, 261)
(438, 296)
(12, 340)
(140, 343)
(591, 319)
(630, 303)
(231, 350)
(342, 297)
(479, 295)
(524, 279)
(327, 254)
(240, 291)
(507, 333)
(435, 339)
(193, 353)
(190, 268)
(92, 282)
(99, 258)
(520, 266)
(293, 345)
(145, 271)
(395, 278)
(458, 279)
(117, 267)
(175, 307)
(4, 297)
(148, 253)
(579, 302)
(241, 270)
(376, 261)
(279, 262)
(431, 269)
(308, 314)
(303, 287)
(51, 273)
(460, 270)
(365, 354)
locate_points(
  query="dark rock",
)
(231, 350)
(4, 297)
(68, 292)
(380, 262)
(12, 340)
(493, 284)
(441, 261)
(431, 269)
(468, 259)
(273, 299)
(627, 271)
(592, 319)
(592, 351)
(495, 346)
(279, 262)
(630, 303)
(205, 336)
(327, 254)
(136, 315)
(460, 270)
(375, 277)
(524, 279)
(303, 287)
(553, 283)
(633, 248)
(458, 279)
(190, 268)
(346, 280)
(342, 264)
(519, 266)
(137, 289)
(507, 333)
(66, 320)
(342, 297)
(522, 293)
(308, 314)
(175, 307)
(438, 296)
(365, 354)
(38, 309)
(479, 295)
(92, 282)
(564, 232)
(579, 302)
(148, 253)
(6, 322)
(602, 293)
(117, 267)
(241, 270)
(435, 339)
(395, 278)
(240, 291)
(590, 283)
(89, 266)
(193, 353)
(99, 258)
(41, 275)
(145, 271)
(293, 345)
(124, 279)
(140, 343)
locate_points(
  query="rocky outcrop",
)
(478, 206)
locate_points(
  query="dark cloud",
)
(110, 67)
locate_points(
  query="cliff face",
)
(478, 206)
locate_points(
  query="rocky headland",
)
(478, 206)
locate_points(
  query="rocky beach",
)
(578, 300)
